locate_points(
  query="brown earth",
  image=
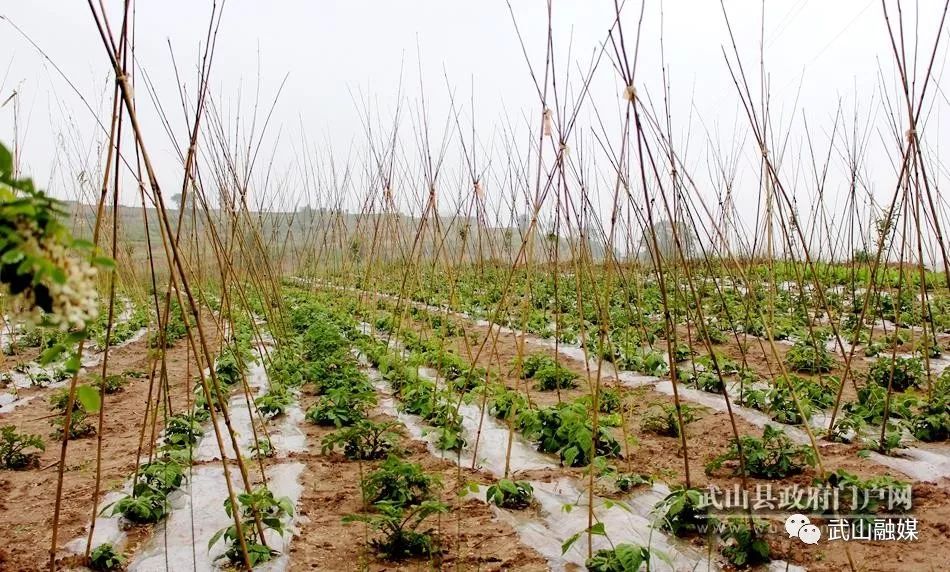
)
(471, 537)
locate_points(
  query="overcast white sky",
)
(818, 53)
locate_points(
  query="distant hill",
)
(313, 236)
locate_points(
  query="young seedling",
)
(510, 494)
(745, 545)
(365, 440)
(399, 483)
(105, 558)
(273, 513)
(400, 526)
(683, 512)
(774, 456)
(15, 449)
(621, 558)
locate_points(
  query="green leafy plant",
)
(104, 558)
(626, 482)
(725, 365)
(450, 437)
(335, 371)
(145, 505)
(263, 449)
(40, 378)
(365, 440)
(401, 377)
(893, 439)
(181, 431)
(854, 491)
(384, 323)
(708, 381)
(534, 362)
(111, 384)
(682, 352)
(809, 356)
(285, 364)
(682, 512)
(608, 351)
(555, 376)
(713, 334)
(148, 502)
(231, 365)
(172, 330)
(663, 420)
(15, 448)
(399, 483)
(908, 372)
(869, 408)
(932, 422)
(85, 402)
(621, 558)
(774, 456)
(873, 349)
(450, 365)
(510, 494)
(566, 429)
(163, 475)
(646, 361)
(746, 545)
(273, 512)
(275, 402)
(400, 526)
(781, 405)
(321, 337)
(505, 402)
(420, 397)
(122, 329)
(610, 400)
(753, 397)
(846, 428)
(340, 407)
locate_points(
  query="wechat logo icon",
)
(799, 526)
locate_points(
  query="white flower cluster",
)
(74, 301)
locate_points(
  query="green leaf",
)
(58, 275)
(508, 486)
(103, 262)
(215, 538)
(89, 398)
(286, 505)
(569, 542)
(12, 256)
(598, 529)
(75, 337)
(50, 354)
(73, 364)
(6, 163)
(569, 454)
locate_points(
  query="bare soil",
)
(471, 537)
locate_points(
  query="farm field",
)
(618, 327)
